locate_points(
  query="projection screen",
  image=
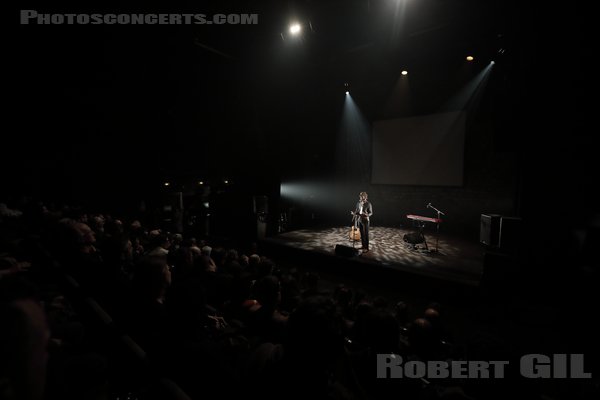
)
(420, 150)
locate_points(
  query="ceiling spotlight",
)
(492, 62)
(226, 182)
(405, 72)
(200, 183)
(347, 92)
(167, 183)
(295, 29)
(470, 58)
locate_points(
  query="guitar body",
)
(354, 233)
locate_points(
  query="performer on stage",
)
(363, 211)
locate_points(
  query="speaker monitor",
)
(345, 251)
(489, 229)
(260, 204)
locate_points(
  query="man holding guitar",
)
(363, 211)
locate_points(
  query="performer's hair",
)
(363, 194)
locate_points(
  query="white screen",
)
(422, 150)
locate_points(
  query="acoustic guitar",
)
(354, 234)
(354, 231)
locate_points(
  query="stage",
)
(457, 260)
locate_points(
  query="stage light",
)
(470, 58)
(405, 72)
(347, 92)
(226, 182)
(200, 183)
(492, 62)
(295, 29)
(167, 183)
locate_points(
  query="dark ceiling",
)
(116, 104)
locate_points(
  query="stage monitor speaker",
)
(260, 204)
(511, 236)
(345, 251)
(489, 229)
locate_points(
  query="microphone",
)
(429, 205)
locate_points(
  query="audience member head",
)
(253, 261)
(433, 316)
(86, 234)
(24, 337)
(206, 250)
(177, 239)
(97, 223)
(135, 226)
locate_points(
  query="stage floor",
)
(456, 260)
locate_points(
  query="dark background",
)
(103, 115)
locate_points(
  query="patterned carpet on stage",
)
(387, 246)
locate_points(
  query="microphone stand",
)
(437, 233)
